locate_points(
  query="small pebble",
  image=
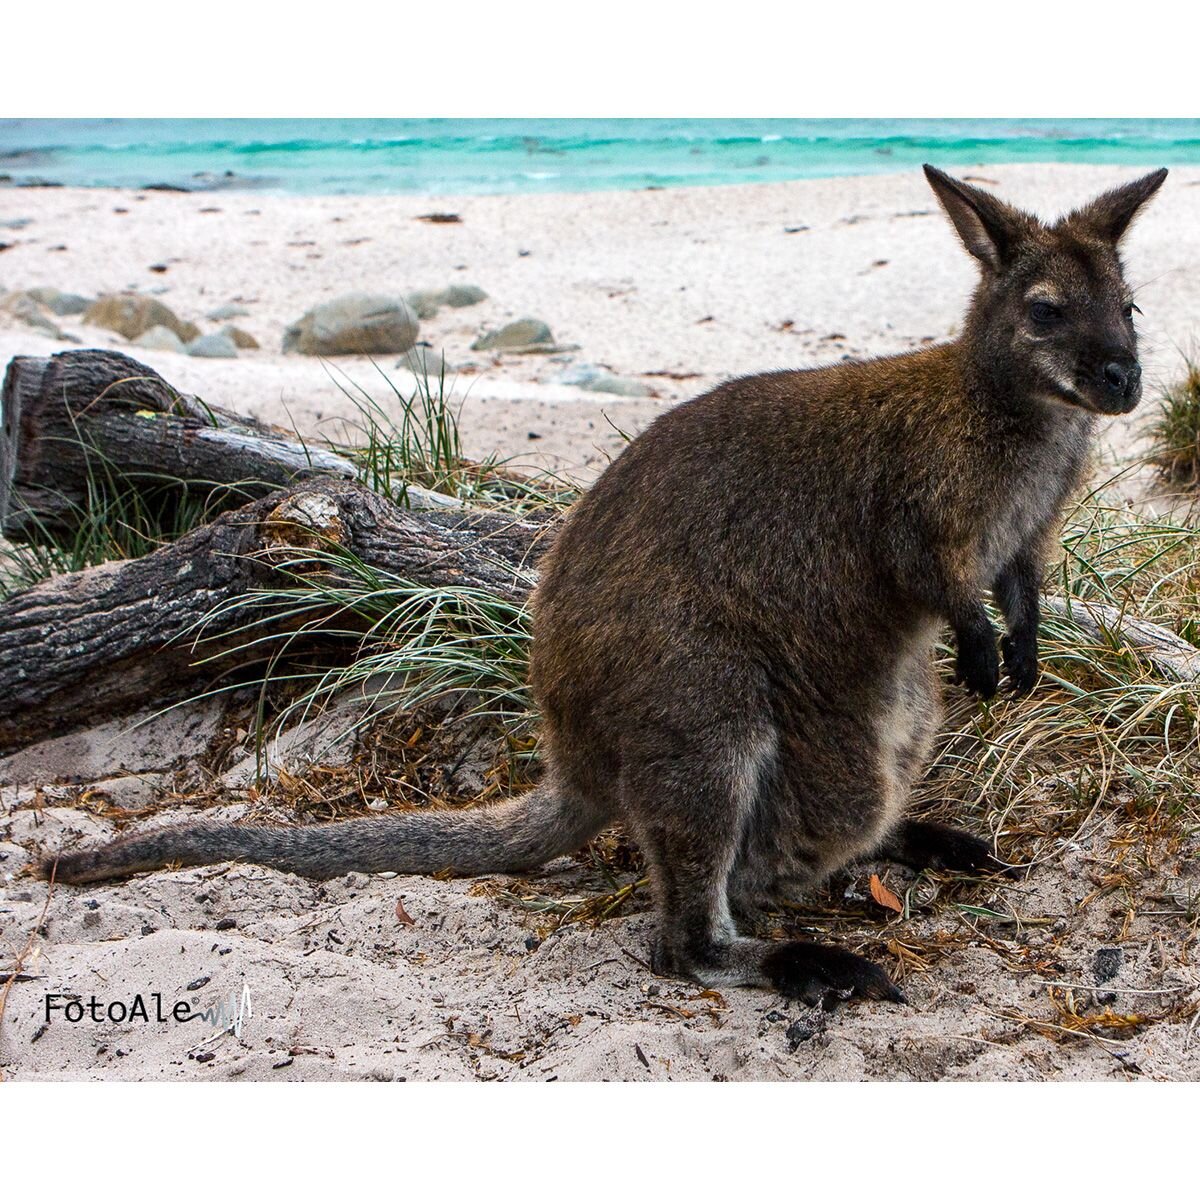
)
(798, 1032)
(1107, 963)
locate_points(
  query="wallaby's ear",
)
(988, 227)
(1111, 214)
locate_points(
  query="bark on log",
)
(86, 414)
(93, 644)
(1166, 652)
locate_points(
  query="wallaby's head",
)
(1053, 316)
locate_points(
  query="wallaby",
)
(733, 630)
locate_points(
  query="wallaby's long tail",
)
(512, 835)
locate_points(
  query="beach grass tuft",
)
(1107, 727)
(1175, 429)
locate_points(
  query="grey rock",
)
(425, 304)
(462, 295)
(516, 335)
(159, 337)
(227, 312)
(213, 345)
(131, 315)
(357, 323)
(61, 304)
(599, 379)
(25, 309)
(425, 362)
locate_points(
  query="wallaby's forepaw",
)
(826, 976)
(1020, 662)
(978, 663)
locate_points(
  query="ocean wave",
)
(511, 156)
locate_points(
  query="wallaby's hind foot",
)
(826, 975)
(922, 844)
(815, 974)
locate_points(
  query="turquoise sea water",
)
(457, 156)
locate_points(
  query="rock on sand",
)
(24, 308)
(213, 345)
(61, 304)
(599, 379)
(131, 315)
(425, 303)
(159, 337)
(356, 323)
(516, 335)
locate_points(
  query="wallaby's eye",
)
(1043, 313)
(1130, 309)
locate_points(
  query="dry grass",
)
(1175, 429)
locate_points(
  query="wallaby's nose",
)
(1121, 379)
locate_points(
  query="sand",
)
(340, 987)
(701, 284)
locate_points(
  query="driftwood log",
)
(88, 415)
(1166, 652)
(97, 643)
(94, 644)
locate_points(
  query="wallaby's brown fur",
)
(733, 631)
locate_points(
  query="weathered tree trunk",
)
(96, 643)
(93, 644)
(1165, 651)
(71, 422)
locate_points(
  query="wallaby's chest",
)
(1029, 490)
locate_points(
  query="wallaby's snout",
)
(1053, 307)
(1094, 362)
(1122, 383)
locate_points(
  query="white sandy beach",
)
(678, 289)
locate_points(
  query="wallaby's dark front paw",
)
(826, 976)
(978, 663)
(1020, 662)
